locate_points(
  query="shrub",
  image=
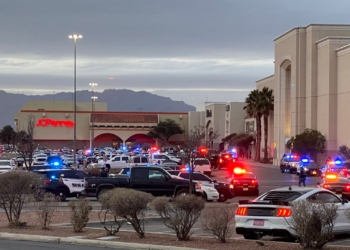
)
(16, 189)
(109, 202)
(80, 210)
(218, 221)
(181, 214)
(313, 222)
(45, 209)
(132, 206)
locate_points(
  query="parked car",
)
(154, 180)
(6, 165)
(310, 167)
(63, 183)
(271, 213)
(202, 165)
(118, 161)
(289, 162)
(225, 190)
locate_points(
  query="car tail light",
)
(283, 212)
(47, 181)
(254, 181)
(347, 187)
(325, 186)
(242, 211)
(235, 181)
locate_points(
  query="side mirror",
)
(215, 181)
(166, 177)
(343, 201)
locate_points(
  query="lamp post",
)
(93, 98)
(75, 37)
(92, 84)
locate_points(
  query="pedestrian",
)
(302, 176)
(103, 172)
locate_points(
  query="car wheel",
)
(182, 192)
(61, 194)
(222, 196)
(297, 173)
(103, 191)
(252, 236)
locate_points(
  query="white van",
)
(202, 165)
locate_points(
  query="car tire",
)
(61, 194)
(182, 192)
(222, 196)
(252, 236)
(297, 173)
(101, 192)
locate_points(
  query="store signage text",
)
(45, 122)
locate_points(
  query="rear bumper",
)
(263, 232)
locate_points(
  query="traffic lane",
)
(31, 245)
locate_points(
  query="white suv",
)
(202, 165)
(6, 165)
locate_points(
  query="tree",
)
(165, 129)
(7, 135)
(24, 141)
(344, 152)
(242, 141)
(309, 143)
(266, 103)
(254, 109)
(195, 139)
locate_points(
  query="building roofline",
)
(104, 112)
(263, 80)
(308, 27)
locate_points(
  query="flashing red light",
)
(347, 187)
(227, 156)
(220, 160)
(239, 170)
(203, 150)
(154, 148)
(331, 176)
(326, 186)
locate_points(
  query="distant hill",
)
(117, 100)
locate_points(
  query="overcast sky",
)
(190, 50)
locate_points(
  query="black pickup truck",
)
(154, 180)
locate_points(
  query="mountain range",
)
(116, 99)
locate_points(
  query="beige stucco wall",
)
(235, 118)
(307, 72)
(216, 123)
(343, 93)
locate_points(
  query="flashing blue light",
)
(288, 156)
(234, 150)
(53, 177)
(305, 160)
(56, 163)
(337, 162)
(123, 147)
(128, 172)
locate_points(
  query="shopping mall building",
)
(311, 84)
(54, 127)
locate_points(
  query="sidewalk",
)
(259, 164)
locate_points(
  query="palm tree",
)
(253, 108)
(266, 103)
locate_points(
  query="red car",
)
(244, 182)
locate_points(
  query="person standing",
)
(302, 177)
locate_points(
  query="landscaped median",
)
(65, 235)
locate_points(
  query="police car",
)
(63, 183)
(310, 167)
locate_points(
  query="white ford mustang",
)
(270, 214)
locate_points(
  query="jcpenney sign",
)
(45, 122)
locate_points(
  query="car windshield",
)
(201, 162)
(310, 164)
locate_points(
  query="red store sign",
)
(45, 122)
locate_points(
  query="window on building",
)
(250, 127)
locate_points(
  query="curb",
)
(97, 243)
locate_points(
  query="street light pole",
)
(92, 84)
(94, 98)
(75, 37)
